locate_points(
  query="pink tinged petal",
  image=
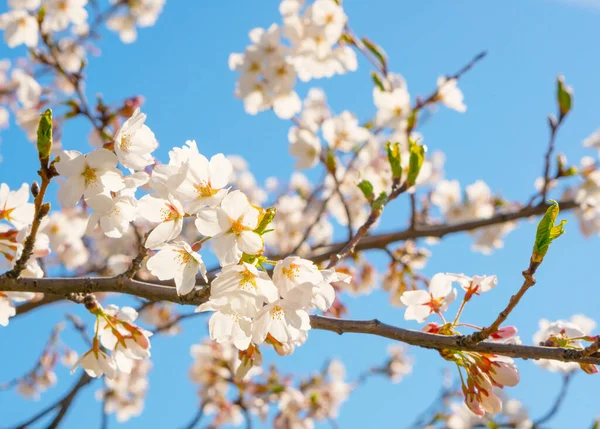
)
(417, 312)
(127, 314)
(505, 374)
(22, 215)
(112, 180)
(250, 242)
(226, 249)
(475, 406)
(163, 264)
(267, 289)
(20, 296)
(108, 339)
(440, 285)
(415, 297)
(102, 159)
(220, 171)
(71, 191)
(235, 204)
(199, 169)
(71, 163)
(19, 197)
(150, 208)
(220, 326)
(207, 222)
(162, 233)
(490, 402)
(280, 331)
(251, 218)
(7, 310)
(261, 325)
(122, 362)
(240, 334)
(488, 283)
(4, 192)
(188, 278)
(324, 297)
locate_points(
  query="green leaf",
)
(377, 81)
(395, 159)
(417, 156)
(564, 95)
(267, 218)
(380, 202)
(44, 138)
(547, 232)
(377, 51)
(367, 189)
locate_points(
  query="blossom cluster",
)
(298, 403)
(269, 68)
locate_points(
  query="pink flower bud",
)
(490, 402)
(432, 328)
(504, 374)
(505, 332)
(472, 402)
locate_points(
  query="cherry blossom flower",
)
(420, 304)
(19, 28)
(135, 142)
(305, 147)
(295, 276)
(90, 176)
(283, 320)
(61, 13)
(562, 333)
(232, 228)
(227, 326)
(393, 107)
(168, 212)
(125, 26)
(14, 206)
(343, 132)
(96, 362)
(28, 89)
(206, 181)
(476, 284)
(7, 308)
(449, 94)
(114, 220)
(177, 260)
(244, 287)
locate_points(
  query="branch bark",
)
(380, 241)
(153, 292)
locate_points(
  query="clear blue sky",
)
(180, 66)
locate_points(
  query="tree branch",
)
(380, 241)
(153, 292)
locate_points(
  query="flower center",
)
(205, 189)
(237, 227)
(125, 142)
(292, 271)
(89, 174)
(277, 312)
(182, 257)
(248, 280)
(169, 213)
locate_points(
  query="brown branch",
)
(485, 333)
(153, 292)
(562, 394)
(40, 211)
(434, 341)
(62, 405)
(380, 241)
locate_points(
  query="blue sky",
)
(180, 67)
